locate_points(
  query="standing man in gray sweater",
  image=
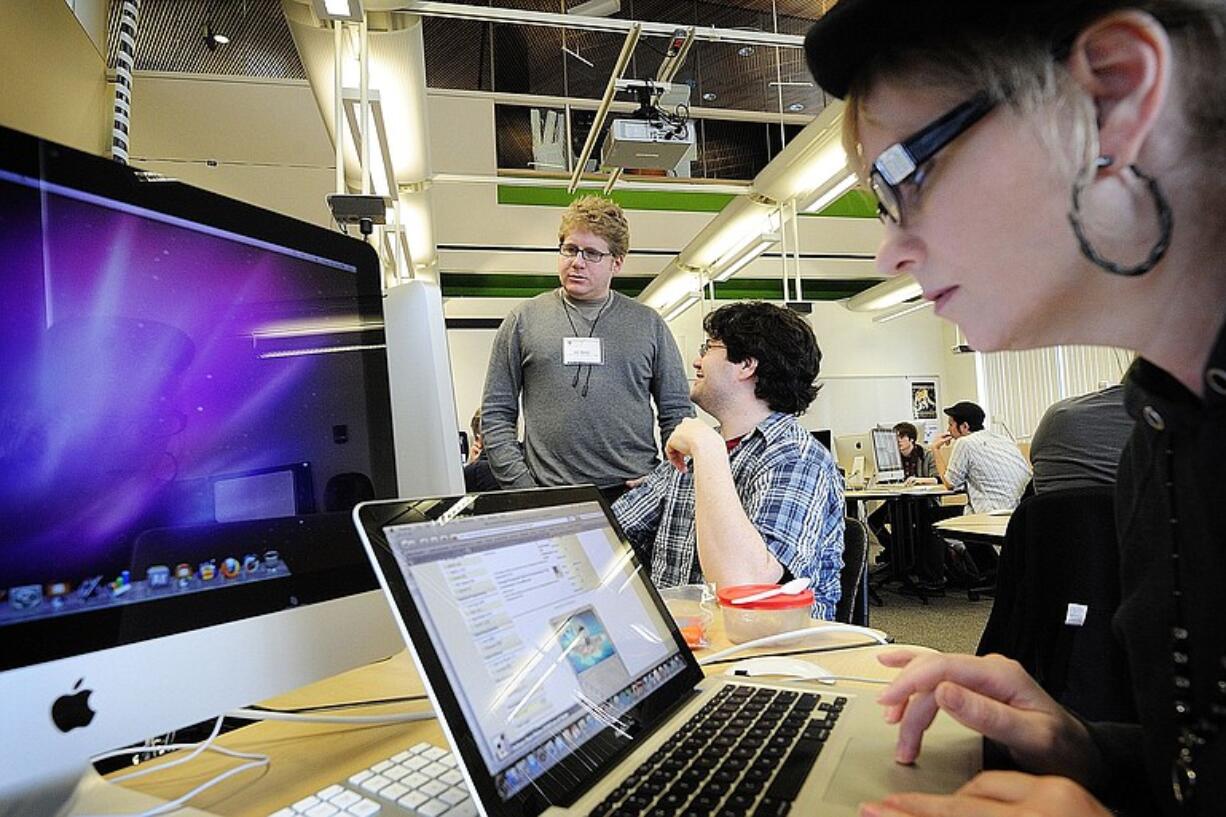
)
(587, 363)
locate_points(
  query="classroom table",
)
(977, 528)
(910, 519)
(309, 756)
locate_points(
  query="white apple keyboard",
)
(422, 781)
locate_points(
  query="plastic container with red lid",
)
(757, 619)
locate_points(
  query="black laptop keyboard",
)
(745, 753)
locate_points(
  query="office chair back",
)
(1060, 564)
(853, 603)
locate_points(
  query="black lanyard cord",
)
(566, 308)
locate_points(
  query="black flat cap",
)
(964, 411)
(854, 33)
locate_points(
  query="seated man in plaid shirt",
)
(759, 500)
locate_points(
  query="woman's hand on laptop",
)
(997, 793)
(992, 695)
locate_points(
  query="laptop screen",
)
(547, 633)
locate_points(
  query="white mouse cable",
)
(877, 638)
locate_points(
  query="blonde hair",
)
(1021, 71)
(598, 216)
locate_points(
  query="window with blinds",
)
(1015, 388)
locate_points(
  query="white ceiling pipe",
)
(398, 75)
(397, 72)
(418, 225)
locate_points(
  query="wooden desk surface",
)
(984, 525)
(894, 493)
(309, 756)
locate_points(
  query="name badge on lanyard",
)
(582, 352)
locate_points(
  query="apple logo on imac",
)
(72, 710)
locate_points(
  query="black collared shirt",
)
(1173, 468)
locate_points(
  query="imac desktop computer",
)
(194, 394)
(854, 455)
(886, 456)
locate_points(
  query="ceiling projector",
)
(651, 138)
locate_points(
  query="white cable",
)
(262, 715)
(877, 638)
(254, 761)
(202, 746)
(859, 679)
(179, 802)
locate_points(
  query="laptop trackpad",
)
(867, 770)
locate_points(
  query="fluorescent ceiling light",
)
(812, 160)
(886, 294)
(596, 8)
(826, 199)
(732, 264)
(906, 310)
(349, 10)
(740, 222)
(680, 307)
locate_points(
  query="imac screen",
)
(193, 397)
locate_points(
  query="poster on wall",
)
(923, 400)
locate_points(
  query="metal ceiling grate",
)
(468, 55)
(171, 37)
(474, 56)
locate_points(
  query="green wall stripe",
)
(480, 285)
(629, 199)
(852, 204)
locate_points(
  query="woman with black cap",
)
(1050, 172)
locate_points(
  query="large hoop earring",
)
(1165, 223)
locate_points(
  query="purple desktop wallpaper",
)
(130, 374)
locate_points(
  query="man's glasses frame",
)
(708, 345)
(904, 161)
(589, 255)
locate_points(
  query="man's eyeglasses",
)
(904, 161)
(708, 346)
(589, 255)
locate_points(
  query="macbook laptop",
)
(565, 687)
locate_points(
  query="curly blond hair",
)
(598, 216)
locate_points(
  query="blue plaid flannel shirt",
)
(790, 489)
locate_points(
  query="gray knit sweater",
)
(605, 436)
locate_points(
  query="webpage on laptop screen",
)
(543, 625)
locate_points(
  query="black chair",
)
(1060, 556)
(853, 603)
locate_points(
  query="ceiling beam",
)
(430, 8)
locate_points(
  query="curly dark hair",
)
(783, 344)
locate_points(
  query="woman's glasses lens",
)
(888, 209)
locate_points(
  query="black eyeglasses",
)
(904, 161)
(589, 255)
(708, 346)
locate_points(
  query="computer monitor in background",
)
(822, 435)
(887, 457)
(855, 455)
(193, 394)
